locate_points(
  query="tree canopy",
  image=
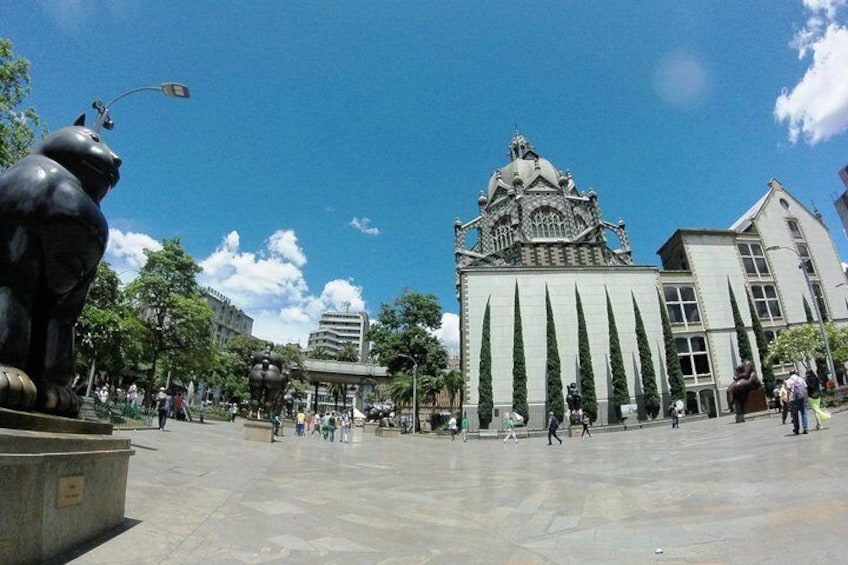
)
(19, 126)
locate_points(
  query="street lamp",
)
(804, 262)
(104, 120)
(414, 390)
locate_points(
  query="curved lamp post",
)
(104, 120)
(803, 262)
(414, 390)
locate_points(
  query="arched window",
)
(502, 236)
(546, 222)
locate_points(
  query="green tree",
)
(320, 353)
(338, 392)
(620, 391)
(584, 353)
(676, 384)
(519, 366)
(555, 401)
(804, 344)
(19, 127)
(402, 338)
(171, 310)
(762, 347)
(104, 331)
(650, 395)
(742, 341)
(349, 353)
(486, 402)
(454, 382)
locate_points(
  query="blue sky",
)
(328, 146)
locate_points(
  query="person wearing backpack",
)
(814, 397)
(798, 397)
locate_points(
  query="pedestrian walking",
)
(346, 424)
(798, 394)
(301, 422)
(162, 406)
(553, 424)
(814, 399)
(586, 421)
(510, 428)
(331, 427)
(783, 398)
(675, 414)
(464, 427)
(233, 412)
(316, 425)
(452, 427)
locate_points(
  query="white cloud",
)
(125, 252)
(448, 334)
(364, 225)
(268, 285)
(681, 80)
(817, 107)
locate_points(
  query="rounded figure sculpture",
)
(745, 380)
(574, 404)
(52, 237)
(266, 380)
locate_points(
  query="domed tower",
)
(533, 215)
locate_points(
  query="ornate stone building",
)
(538, 237)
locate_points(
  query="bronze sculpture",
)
(745, 380)
(574, 404)
(52, 237)
(266, 381)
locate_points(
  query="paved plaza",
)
(711, 492)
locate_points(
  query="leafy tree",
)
(762, 347)
(429, 387)
(453, 382)
(349, 352)
(650, 395)
(18, 127)
(171, 309)
(742, 341)
(805, 344)
(555, 401)
(402, 337)
(519, 366)
(320, 353)
(486, 402)
(587, 374)
(676, 384)
(620, 392)
(337, 391)
(103, 331)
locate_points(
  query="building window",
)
(819, 297)
(546, 222)
(502, 234)
(753, 259)
(804, 253)
(794, 229)
(681, 304)
(765, 301)
(694, 358)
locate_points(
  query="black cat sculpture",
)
(52, 237)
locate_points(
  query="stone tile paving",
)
(711, 492)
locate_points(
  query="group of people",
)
(325, 425)
(796, 395)
(458, 428)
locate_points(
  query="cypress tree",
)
(807, 311)
(587, 375)
(742, 340)
(554, 399)
(620, 392)
(486, 403)
(676, 384)
(650, 395)
(519, 367)
(762, 347)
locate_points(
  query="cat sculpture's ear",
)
(80, 121)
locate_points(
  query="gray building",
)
(335, 329)
(227, 319)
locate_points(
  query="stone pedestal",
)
(388, 432)
(59, 490)
(574, 430)
(258, 430)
